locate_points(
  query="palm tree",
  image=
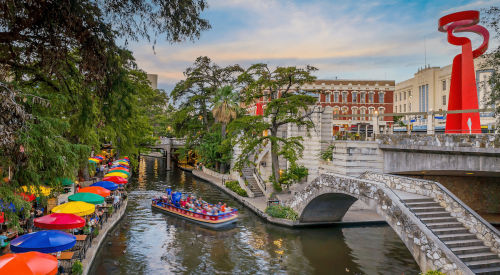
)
(225, 108)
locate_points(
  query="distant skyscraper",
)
(154, 80)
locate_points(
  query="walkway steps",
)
(472, 251)
(252, 183)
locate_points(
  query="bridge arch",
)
(317, 202)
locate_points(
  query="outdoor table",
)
(80, 237)
(66, 256)
(65, 259)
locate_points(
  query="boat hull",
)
(207, 223)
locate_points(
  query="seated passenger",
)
(223, 208)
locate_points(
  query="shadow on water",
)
(149, 242)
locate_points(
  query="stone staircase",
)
(252, 183)
(459, 239)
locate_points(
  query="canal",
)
(148, 242)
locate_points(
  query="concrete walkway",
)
(358, 215)
(98, 241)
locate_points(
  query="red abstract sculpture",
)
(463, 90)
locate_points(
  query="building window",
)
(420, 98)
(400, 110)
(444, 100)
(344, 97)
(370, 110)
(336, 97)
(362, 111)
(409, 107)
(354, 97)
(381, 97)
(399, 96)
(283, 134)
(404, 108)
(444, 85)
(327, 97)
(354, 112)
(426, 97)
(336, 110)
(409, 94)
(396, 98)
(344, 110)
(404, 95)
(362, 97)
(370, 97)
(381, 112)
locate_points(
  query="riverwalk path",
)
(258, 206)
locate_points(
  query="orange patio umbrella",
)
(29, 263)
(96, 190)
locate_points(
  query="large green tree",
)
(491, 60)
(287, 104)
(225, 107)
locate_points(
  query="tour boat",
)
(213, 221)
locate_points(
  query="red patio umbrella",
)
(96, 190)
(60, 221)
(2, 217)
(29, 263)
(115, 179)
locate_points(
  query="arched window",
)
(354, 112)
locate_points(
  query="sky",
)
(344, 39)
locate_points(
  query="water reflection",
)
(149, 242)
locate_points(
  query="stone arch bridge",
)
(439, 230)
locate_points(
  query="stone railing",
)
(427, 249)
(263, 153)
(442, 140)
(173, 141)
(471, 220)
(215, 174)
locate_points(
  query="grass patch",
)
(284, 212)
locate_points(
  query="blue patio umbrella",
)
(47, 241)
(106, 184)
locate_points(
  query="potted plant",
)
(77, 268)
(111, 209)
(246, 182)
(95, 233)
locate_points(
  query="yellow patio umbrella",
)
(79, 208)
(117, 174)
(33, 190)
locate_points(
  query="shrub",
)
(235, 187)
(77, 268)
(111, 209)
(284, 212)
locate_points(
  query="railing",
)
(458, 201)
(173, 141)
(260, 181)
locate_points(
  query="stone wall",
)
(215, 174)
(470, 219)
(481, 194)
(442, 140)
(353, 158)
(428, 251)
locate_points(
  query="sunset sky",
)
(345, 39)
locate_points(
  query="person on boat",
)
(223, 208)
(183, 203)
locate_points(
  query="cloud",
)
(362, 39)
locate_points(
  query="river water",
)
(149, 242)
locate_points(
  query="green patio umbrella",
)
(87, 197)
(65, 181)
